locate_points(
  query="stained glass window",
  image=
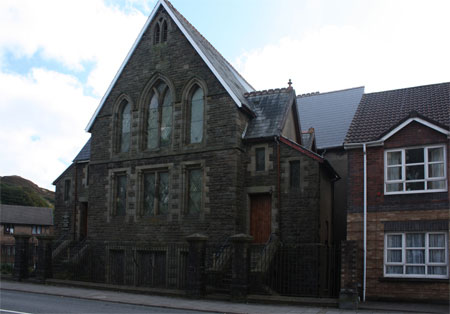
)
(194, 191)
(159, 120)
(156, 193)
(196, 123)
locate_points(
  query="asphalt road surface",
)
(15, 302)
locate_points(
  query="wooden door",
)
(260, 217)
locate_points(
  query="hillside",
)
(15, 190)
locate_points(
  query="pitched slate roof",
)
(26, 215)
(330, 114)
(85, 152)
(230, 79)
(270, 107)
(379, 112)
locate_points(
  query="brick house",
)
(27, 220)
(181, 144)
(398, 148)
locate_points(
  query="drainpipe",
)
(365, 221)
(278, 182)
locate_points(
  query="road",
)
(16, 302)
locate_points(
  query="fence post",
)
(21, 256)
(196, 277)
(348, 296)
(240, 265)
(44, 258)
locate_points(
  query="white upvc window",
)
(415, 170)
(416, 255)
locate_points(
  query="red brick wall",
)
(381, 208)
(400, 289)
(414, 134)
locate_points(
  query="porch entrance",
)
(260, 217)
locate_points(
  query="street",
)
(16, 302)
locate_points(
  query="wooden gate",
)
(260, 217)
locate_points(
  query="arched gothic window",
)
(159, 117)
(125, 127)
(197, 104)
(160, 32)
(157, 33)
(164, 32)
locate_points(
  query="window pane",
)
(294, 174)
(260, 156)
(394, 187)
(437, 270)
(415, 172)
(197, 107)
(394, 158)
(394, 173)
(152, 123)
(195, 191)
(415, 256)
(196, 132)
(414, 155)
(415, 240)
(394, 241)
(436, 185)
(394, 269)
(166, 125)
(415, 186)
(125, 128)
(394, 256)
(121, 195)
(437, 240)
(163, 193)
(435, 170)
(167, 99)
(149, 195)
(436, 154)
(419, 270)
(437, 256)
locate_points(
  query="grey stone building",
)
(182, 144)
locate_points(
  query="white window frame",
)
(425, 163)
(403, 263)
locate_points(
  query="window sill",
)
(413, 280)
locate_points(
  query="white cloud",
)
(42, 117)
(72, 33)
(400, 44)
(43, 113)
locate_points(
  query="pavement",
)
(175, 301)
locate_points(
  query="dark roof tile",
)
(381, 111)
(26, 215)
(270, 107)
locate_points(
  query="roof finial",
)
(290, 83)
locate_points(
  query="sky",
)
(58, 57)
